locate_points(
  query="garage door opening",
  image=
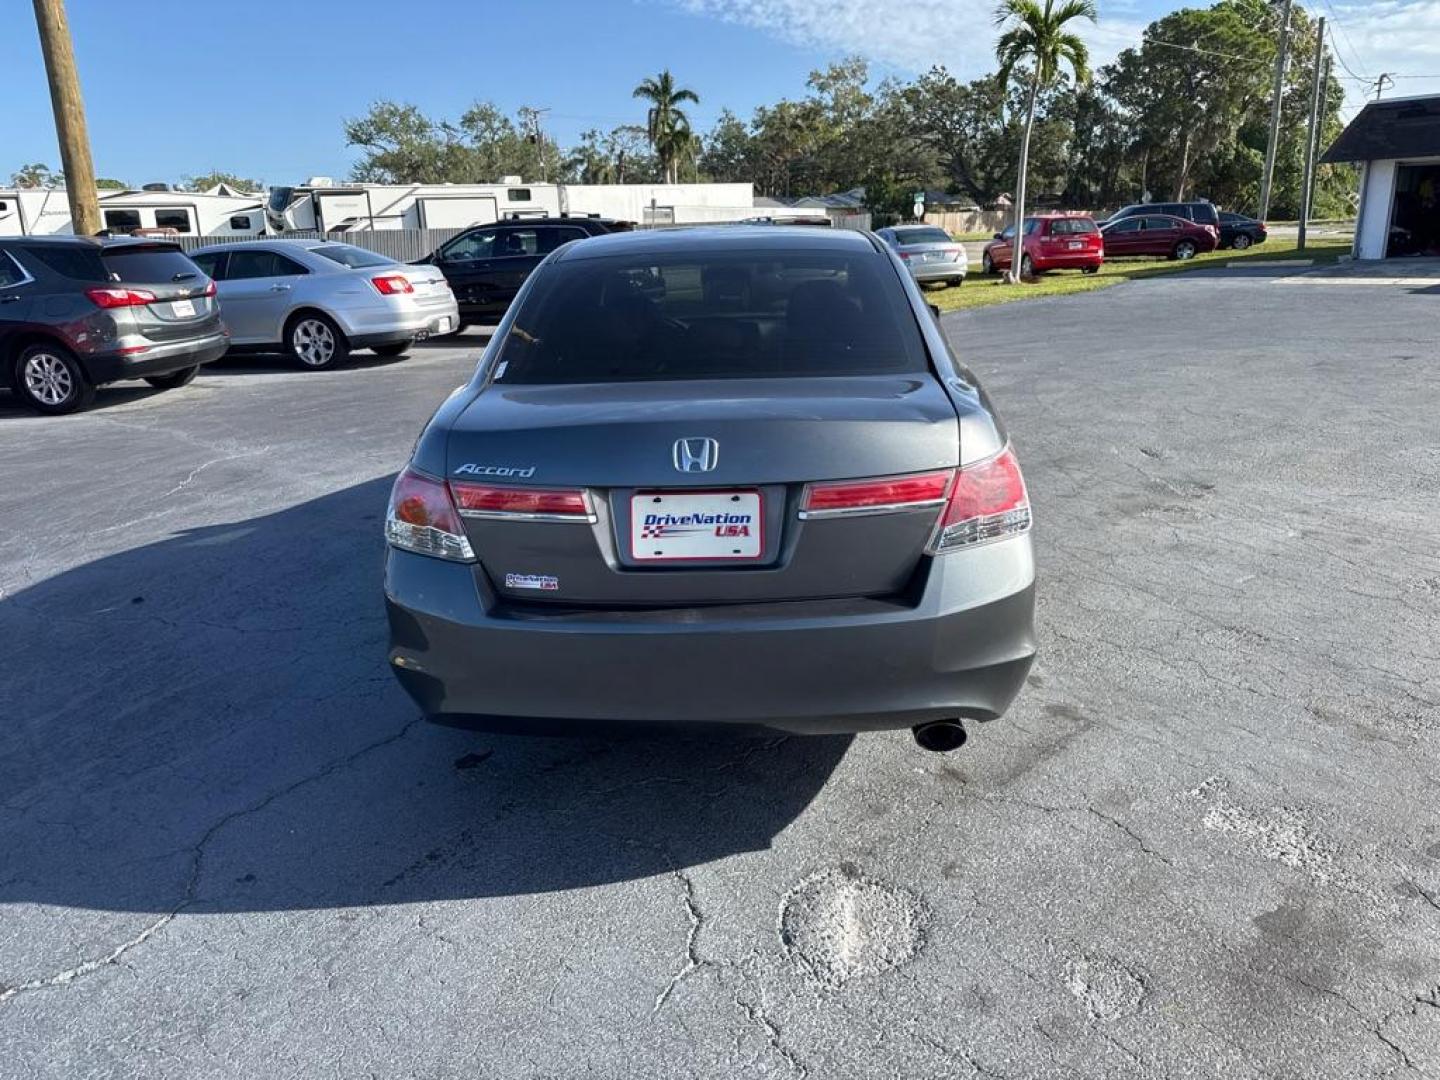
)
(1415, 218)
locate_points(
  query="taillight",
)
(518, 503)
(392, 284)
(905, 255)
(421, 518)
(877, 496)
(987, 502)
(209, 289)
(117, 298)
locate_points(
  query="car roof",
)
(573, 219)
(298, 244)
(762, 238)
(91, 241)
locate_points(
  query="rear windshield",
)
(741, 316)
(922, 236)
(147, 265)
(1071, 226)
(349, 255)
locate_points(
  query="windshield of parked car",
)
(922, 236)
(148, 265)
(351, 256)
(712, 316)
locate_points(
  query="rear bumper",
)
(961, 650)
(939, 271)
(167, 359)
(383, 324)
(1076, 260)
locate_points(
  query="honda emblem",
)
(696, 455)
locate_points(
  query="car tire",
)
(987, 264)
(1184, 251)
(1027, 266)
(315, 342)
(1089, 269)
(50, 381)
(957, 281)
(397, 348)
(1241, 242)
(175, 379)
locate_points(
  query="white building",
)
(1397, 144)
(326, 206)
(221, 211)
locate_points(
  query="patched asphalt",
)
(1204, 842)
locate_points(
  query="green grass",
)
(972, 237)
(980, 291)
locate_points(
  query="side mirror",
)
(934, 310)
(999, 236)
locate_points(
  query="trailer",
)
(219, 213)
(321, 205)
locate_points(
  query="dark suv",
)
(76, 312)
(1201, 213)
(487, 264)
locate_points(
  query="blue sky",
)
(175, 87)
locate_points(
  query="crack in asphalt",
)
(192, 885)
(692, 960)
(755, 1014)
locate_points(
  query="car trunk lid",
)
(729, 528)
(181, 309)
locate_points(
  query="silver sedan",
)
(318, 300)
(929, 252)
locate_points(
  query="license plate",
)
(182, 309)
(665, 526)
(1075, 245)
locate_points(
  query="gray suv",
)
(77, 312)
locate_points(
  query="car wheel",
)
(49, 380)
(957, 281)
(1027, 266)
(316, 343)
(174, 380)
(987, 265)
(1241, 242)
(1089, 269)
(1185, 250)
(398, 348)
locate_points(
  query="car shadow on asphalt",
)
(106, 397)
(206, 724)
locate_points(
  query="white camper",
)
(221, 211)
(323, 205)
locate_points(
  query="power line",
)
(1204, 52)
(1336, 46)
(1334, 22)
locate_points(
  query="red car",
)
(1159, 234)
(1054, 242)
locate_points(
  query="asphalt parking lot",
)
(1203, 844)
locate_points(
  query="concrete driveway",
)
(1203, 844)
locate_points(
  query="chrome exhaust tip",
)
(940, 736)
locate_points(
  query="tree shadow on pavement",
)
(206, 723)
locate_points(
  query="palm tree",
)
(665, 122)
(1036, 35)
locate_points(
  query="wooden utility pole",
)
(1314, 134)
(1277, 94)
(69, 110)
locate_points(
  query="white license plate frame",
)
(686, 541)
(182, 309)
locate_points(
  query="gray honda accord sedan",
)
(714, 476)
